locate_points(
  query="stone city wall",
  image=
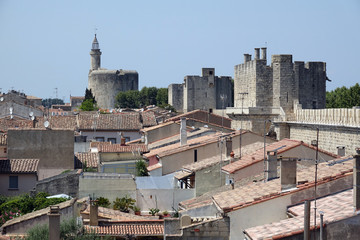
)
(336, 116)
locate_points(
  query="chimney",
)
(263, 53)
(341, 150)
(271, 165)
(228, 149)
(94, 213)
(183, 133)
(257, 54)
(54, 223)
(247, 57)
(356, 180)
(288, 173)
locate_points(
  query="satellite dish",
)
(206, 126)
(46, 124)
(31, 114)
(1, 99)
(11, 117)
(32, 118)
(11, 110)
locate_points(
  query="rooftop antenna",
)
(316, 143)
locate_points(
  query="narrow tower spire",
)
(95, 54)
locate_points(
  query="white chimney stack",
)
(183, 133)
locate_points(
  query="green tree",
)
(141, 169)
(88, 105)
(48, 102)
(124, 204)
(343, 97)
(89, 95)
(162, 97)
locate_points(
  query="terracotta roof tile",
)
(6, 123)
(262, 191)
(153, 167)
(58, 122)
(117, 122)
(137, 229)
(281, 146)
(19, 165)
(91, 159)
(335, 207)
(118, 148)
(98, 144)
(148, 119)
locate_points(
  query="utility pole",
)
(241, 120)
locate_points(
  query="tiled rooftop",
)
(153, 167)
(91, 158)
(147, 129)
(176, 148)
(58, 122)
(19, 165)
(261, 191)
(335, 207)
(118, 148)
(98, 144)
(124, 229)
(216, 159)
(124, 121)
(148, 119)
(6, 123)
(281, 147)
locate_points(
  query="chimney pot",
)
(257, 54)
(263, 53)
(288, 173)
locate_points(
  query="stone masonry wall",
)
(176, 96)
(199, 93)
(330, 136)
(335, 116)
(216, 229)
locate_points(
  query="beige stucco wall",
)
(26, 182)
(110, 188)
(209, 179)
(54, 148)
(109, 157)
(163, 132)
(3, 151)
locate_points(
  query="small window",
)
(13, 182)
(127, 139)
(112, 140)
(195, 155)
(211, 73)
(5, 150)
(100, 139)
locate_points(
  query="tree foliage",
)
(89, 103)
(147, 96)
(141, 169)
(124, 204)
(343, 97)
(48, 102)
(25, 203)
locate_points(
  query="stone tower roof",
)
(95, 44)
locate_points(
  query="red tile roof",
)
(19, 165)
(121, 121)
(6, 123)
(153, 167)
(123, 229)
(91, 159)
(118, 148)
(98, 144)
(335, 207)
(58, 122)
(281, 147)
(148, 119)
(262, 191)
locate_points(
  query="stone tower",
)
(106, 84)
(95, 55)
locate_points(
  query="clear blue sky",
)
(45, 44)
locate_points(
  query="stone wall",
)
(334, 116)
(175, 96)
(330, 136)
(213, 229)
(106, 84)
(67, 183)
